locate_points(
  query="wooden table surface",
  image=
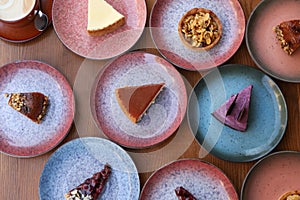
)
(20, 176)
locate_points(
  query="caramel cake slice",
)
(184, 194)
(103, 18)
(135, 100)
(288, 34)
(92, 187)
(291, 195)
(32, 104)
(234, 112)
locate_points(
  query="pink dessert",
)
(234, 112)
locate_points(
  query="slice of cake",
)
(103, 18)
(234, 112)
(135, 100)
(32, 104)
(184, 194)
(92, 187)
(288, 34)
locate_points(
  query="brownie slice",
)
(92, 187)
(183, 194)
(32, 104)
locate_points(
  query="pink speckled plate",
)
(164, 20)
(19, 136)
(70, 22)
(202, 179)
(162, 118)
(28, 32)
(261, 40)
(272, 176)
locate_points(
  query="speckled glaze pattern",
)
(262, 43)
(79, 159)
(267, 113)
(28, 32)
(164, 20)
(272, 176)
(70, 22)
(161, 119)
(19, 136)
(203, 180)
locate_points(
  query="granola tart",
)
(288, 34)
(200, 29)
(183, 194)
(32, 104)
(92, 187)
(291, 195)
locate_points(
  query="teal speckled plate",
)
(267, 114)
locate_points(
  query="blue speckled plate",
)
(164, 20)
(202, 179)
(79, 159)
(267, 113)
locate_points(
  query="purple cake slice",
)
(234, 112)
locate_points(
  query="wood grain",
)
(20, 177)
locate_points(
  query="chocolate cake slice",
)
(135, 100)
(183, 194)
(234, 112)
(92, 187)
(288, 34)
(32, 104)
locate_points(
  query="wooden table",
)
(20, 176)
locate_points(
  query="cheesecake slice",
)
(135, 100)
(288, 34)
(103, 18)
(92, 187)
(183, 194)
(234, 112)
(32, 104)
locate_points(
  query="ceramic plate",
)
(272, 176)
(19, 136)
(201, 179)
(261, 40)
(70, 22)
(28, 32)
(79, 159)
(267, 113)
(162, 118)
(164, 20)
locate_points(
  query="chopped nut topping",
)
(18, 101)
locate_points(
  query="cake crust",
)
(108, 29)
